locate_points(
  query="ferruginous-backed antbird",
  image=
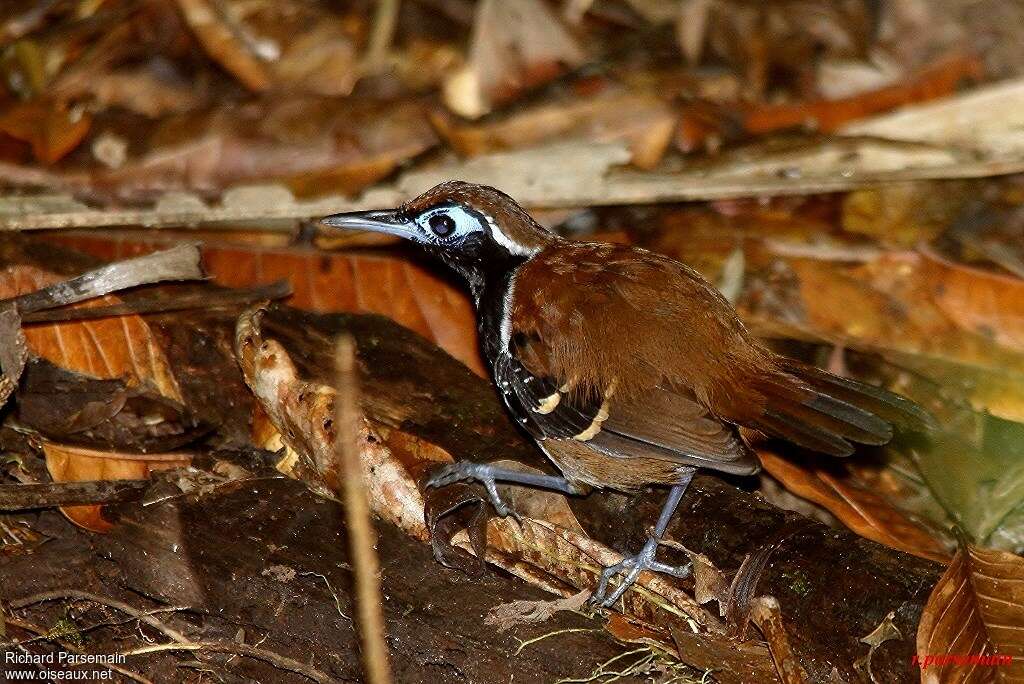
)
(626, 367)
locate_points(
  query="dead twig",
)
(361, 535)
(278, 661)
(61, 594)
(177, 263)
(204, 300)
(22, 497)
(385, 19)
(44, 635)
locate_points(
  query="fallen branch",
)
(22, 497)
(199, 300)
(278, 661)
(44, 634)
(177, 263)
(62, 594)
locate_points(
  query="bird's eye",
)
(442, 224)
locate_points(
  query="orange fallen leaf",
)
(122, 347)
(645, 122)
(223, 43)
(52, 130)
(68, 463)
(989, 304)
(516, 45)
(861, 509)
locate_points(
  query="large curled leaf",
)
(972, 628)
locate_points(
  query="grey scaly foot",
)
(631, 567)
(634, 565)
(467, 471)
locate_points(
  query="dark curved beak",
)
(378, 221)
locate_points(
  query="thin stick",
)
(279, 661)
(59, 594)
(177, 263)
(361, 535)
(200, 300)
(44, 635)
(385, 18)
(20, 497)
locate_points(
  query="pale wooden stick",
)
(361, 535)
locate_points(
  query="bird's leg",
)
(489, 475)
(632, 566)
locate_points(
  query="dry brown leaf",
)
(861, 509)
(731, 662)
(220, 37)
(311, 144)
(895, 303)
(972, 628)
(885, 631)
(986, 303)
(290, 46)
(51, 129)
(136, 89)
(507, 615)
(904, 214)
(68, 463)
(709, 583)
(645, 122)
(516, 44)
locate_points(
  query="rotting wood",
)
(22, 497)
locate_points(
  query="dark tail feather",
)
(887, 405)
(825, 413)
(802, 434)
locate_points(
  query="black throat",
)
(489, 270)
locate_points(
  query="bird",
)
(627, 368)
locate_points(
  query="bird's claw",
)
(462, 471)
(632, 566)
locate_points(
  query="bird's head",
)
(474, 229)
